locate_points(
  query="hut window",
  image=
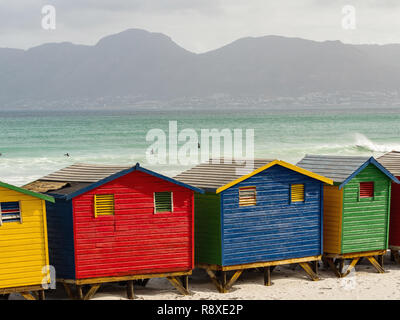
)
(297, 193)
(10, 212)
(162, 202)
(247, 196)
(103, 205)
(366, 190)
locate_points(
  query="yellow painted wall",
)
(333, 212)
(23, 246)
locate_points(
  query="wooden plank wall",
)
(23, 246)
(274, 229)
(365, 221)
(208, 229)
(61, 238)
(134, 240)
(333, 209)
(394, 232)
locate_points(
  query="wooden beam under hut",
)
(85, 289)
(219, 274)
(27, 292)
(336, 261)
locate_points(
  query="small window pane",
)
(163, 201)
(10, 212)
(247, 196)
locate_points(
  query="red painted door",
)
(394, 230)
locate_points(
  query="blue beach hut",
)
(268, 217)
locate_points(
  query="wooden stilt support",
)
(309, 271)
(28, 296)
(79, 292)
(68, 290)
(129, 281)
(178, 285)
(223, 279)
(41, 295)
(144, 282)
(185, 282)
(314, 266)
(130, 293)
(350, 267)
(92, 291)
(223, 286)
(376, 264)
(234, 278)
(341, 266)
(380, 260)
(325, 263)
(267, 276)
(214, 280)
(355, 257)
(396, 256)
(217, 273)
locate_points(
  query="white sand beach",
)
(365, 283)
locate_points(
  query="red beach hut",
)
(391, 161)
(114, 224)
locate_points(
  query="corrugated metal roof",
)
(210, 176)
(337, 168)
(71, 181)
(391, 161)
(73, 178)
(81, 172)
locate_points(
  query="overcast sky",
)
(198, 25)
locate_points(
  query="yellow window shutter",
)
(247, 196)
(297, 193)
(103, 205)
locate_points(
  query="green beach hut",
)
(356, 209)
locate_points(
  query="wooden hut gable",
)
(100, 208)
(274, 227)
(341, 169)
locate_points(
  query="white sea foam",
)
(362, 142)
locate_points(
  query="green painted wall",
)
(207, 224)
(365, 221)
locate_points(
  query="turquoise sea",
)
(33, 143)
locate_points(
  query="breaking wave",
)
(364, 144)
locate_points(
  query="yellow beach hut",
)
(24, 256)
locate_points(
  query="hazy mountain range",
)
(136, 66)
